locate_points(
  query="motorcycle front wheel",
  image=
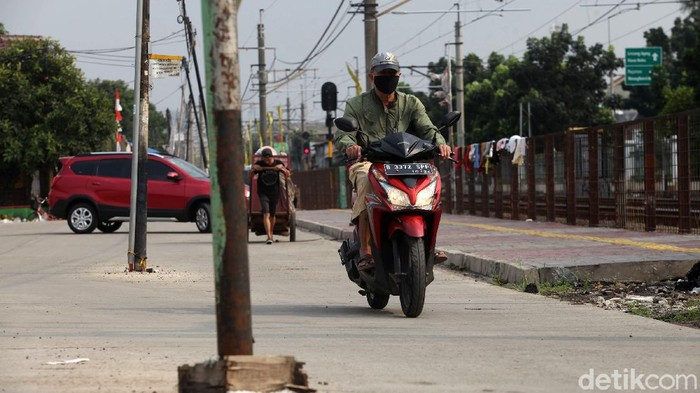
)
(413, 282)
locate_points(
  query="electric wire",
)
(489, 13)
(303, 62)
(625, 34)
(645, 26)
(528, 35)
(579, 31)
(397, 48)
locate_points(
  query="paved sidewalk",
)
(542, 251)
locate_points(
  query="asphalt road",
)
(65, 296)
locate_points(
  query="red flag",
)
(118, 117)
(117, 107)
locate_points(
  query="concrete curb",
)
(510, 272)
(505, 271)
(335, 233)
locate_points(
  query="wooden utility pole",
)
(236, 368)
(234, 325)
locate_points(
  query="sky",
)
(294, 27)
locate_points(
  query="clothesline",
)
(482, 156)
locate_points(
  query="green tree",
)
(48, 110)
(678, 100)
(564, 81)
(3, 31)
(491, 101)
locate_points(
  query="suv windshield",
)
(188, 168)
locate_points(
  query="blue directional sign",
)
(638, 65)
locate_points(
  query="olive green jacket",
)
(406, 113)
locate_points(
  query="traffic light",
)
(329, 96)
(306, 147)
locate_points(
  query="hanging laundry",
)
(465, 161)
(512, 143)
(520, 150)
(484, 146)
(461, 152)
(501, 144)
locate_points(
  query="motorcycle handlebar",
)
(363, 154)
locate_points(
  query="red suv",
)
(94, 190)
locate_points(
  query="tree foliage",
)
(48, 110)
(561, 78)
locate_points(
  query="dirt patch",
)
(665, 301)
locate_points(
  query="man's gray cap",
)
(382, 61)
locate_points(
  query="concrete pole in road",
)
(459, 91)
(262, 79)
(371, 46)
(139, 148)
(231, 271)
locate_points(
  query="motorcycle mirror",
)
(346, 124)
(450, 119)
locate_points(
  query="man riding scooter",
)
(379, 112)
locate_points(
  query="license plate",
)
(410, 169)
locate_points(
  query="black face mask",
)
(386, 83)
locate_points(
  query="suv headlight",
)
(399, 199)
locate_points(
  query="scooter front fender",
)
(413, 226)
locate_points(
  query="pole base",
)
(244, 373)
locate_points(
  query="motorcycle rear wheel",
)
(412, 285)
(377, 300)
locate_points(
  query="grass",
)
(689, 317)
(636, 309)
(547, 288)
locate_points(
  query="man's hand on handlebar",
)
(445, 151)
(353, 152)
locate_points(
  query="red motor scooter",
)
(404, 211)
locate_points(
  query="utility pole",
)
(230, 228)
(202, 104)
(262, 78)
(139, 156)
(459, 91)
(370, 36)
(289, 114)
(202, 149)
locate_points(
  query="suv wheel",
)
(109, 226)
(202, 218)
(82, 218)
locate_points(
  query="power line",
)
(487, 13)
(577, 32)
(308, 57)
(421, 32)
(543, 25)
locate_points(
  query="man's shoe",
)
(440, 257)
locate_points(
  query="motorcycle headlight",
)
(399, 199)
(426, 197)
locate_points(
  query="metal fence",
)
(641, 175)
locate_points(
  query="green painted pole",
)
(229, 217)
